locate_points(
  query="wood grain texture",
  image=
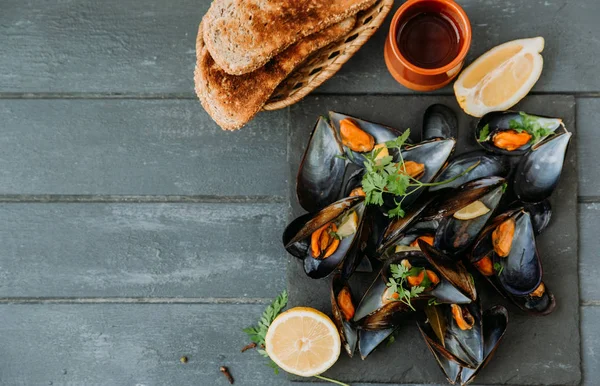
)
(154, 147)
(588, 122)
(589, 270)
(131, 47)
(590, 334)
(141, 250)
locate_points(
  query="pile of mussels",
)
(485, 220)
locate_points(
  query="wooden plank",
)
(588, 118)
(141, 250)
(129, 345)
(589, 223)
(148, 47)
(154, 147)
(590, 334)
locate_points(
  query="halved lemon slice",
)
(501, 77)
(471, 211)
(303, 341)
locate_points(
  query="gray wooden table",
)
(134, 231)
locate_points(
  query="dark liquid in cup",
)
(429, 40)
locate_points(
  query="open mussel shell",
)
(519, 274)
(485, 165)
(476, 346)
(454, 273)
(439, 121)
(321, 170)
(540, 214)
(369, 340)
(379, 132)
(346, 328)
(297, 238)
(501, 121)
(397, 228)
(454, 235)
(433, 154)
(539, 170)
(494, 323)
(536, 305)
(442, 333)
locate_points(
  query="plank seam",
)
(140, 199)
(192, 96)
(134, 300)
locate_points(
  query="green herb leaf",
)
(531, 125)
(484, 134)
(258, 333)
(433, 302)
(390, 340)
(498, 268)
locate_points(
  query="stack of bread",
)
(246, 48)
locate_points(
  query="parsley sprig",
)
(396, 283)
(383, 175)
(498, 268)
(531, 125)
(258, 332)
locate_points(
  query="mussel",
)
(321, 170)
(506, 254)
(436, 276)
(462, 339)
(512, 132)
(484, 165)
(466, 211)
(439, 121)
(359, 136)
(540, 214)
(328, 239)
(343, 309)
(539, 170)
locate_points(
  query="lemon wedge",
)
(349, 225)
(501, 77)
(303, 341)
(406, 248)
(471, 211)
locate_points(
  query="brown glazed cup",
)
(412, 76)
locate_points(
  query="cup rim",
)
(393, 34)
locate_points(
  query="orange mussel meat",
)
(539, 291)
(511, 140)
(323, 243)
(463, 317)
(358, 192)
(428, 239)
(344, 301)
(502, 237)
(354, 138)
(485, 266)
(418, 279)
(413, 169)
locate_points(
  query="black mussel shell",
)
(501, 121)
(347, 330)
(439, 121)
(322, 169)
(433, 154)
(461, 197)
(296, 239)
(538, 306)
(369, 340)
(540, 214)
(539, 170)
(376, 222)
(454, 272)
(486, 165)
(455, 236)
(464, 347)
(354, 179)
(396, 229)
(519, 273)
(379, 132)
(494, 323)
(522, 268)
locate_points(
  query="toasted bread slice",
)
(232, 100)
(243, 35)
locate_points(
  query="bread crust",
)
(243, 35)
(233, 100)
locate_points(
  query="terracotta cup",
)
(409, 74)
